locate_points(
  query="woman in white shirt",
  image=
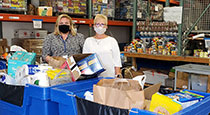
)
(106, 48)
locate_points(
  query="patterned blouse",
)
(54, 45)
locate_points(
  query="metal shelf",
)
(14, 9)
(168, 58)
(52, 19)
(171, 1)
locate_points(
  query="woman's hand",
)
(48, 58)
(118, 72)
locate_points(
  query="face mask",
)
(64, 28)
(100, 30)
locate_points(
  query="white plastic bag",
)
(5, 78)
(141, 79)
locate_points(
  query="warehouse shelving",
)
(52, 19)
(168, 57)
(171, 1)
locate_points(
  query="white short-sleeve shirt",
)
(107, 50)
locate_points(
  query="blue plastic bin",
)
(63, 95)
(200, 108)
(36, 101)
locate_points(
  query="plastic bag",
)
(5, 78)
(85, 107)
(59, 76)
(12, 94)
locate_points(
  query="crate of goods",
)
(70, 6)
(18, 59)
(106, 7)
(124, 9)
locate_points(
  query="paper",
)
(37, 23)
(111, 93)
(173, 14)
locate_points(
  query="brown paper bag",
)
(125, 95)
(56, 62)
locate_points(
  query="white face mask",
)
(99, 30)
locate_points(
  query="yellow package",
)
(51, 73)
(164, 105)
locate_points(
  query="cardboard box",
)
(18, 59)
(87, 65)
(171, 75)
(182, 80)
(3, 46)
(45, 11)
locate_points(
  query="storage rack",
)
(196, 16)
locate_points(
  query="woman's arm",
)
(116, 57)
(117, 71)
(46, 48)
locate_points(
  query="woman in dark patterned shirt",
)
(64, 41)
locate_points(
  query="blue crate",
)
(200, 108)
(36, 101)
(63, 95)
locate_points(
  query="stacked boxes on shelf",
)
(70, 6)
(13, 4)
(155, 38)
(157, 28)
(142, 9)
(155, 45)
(156, 11)
(106, 7)
(45, 2)
(124, 9)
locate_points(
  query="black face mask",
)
(64, 28)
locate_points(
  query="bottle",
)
(41, 79)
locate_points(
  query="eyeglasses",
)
(98, 24)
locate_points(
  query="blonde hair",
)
(71, 27)
(101, 16)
